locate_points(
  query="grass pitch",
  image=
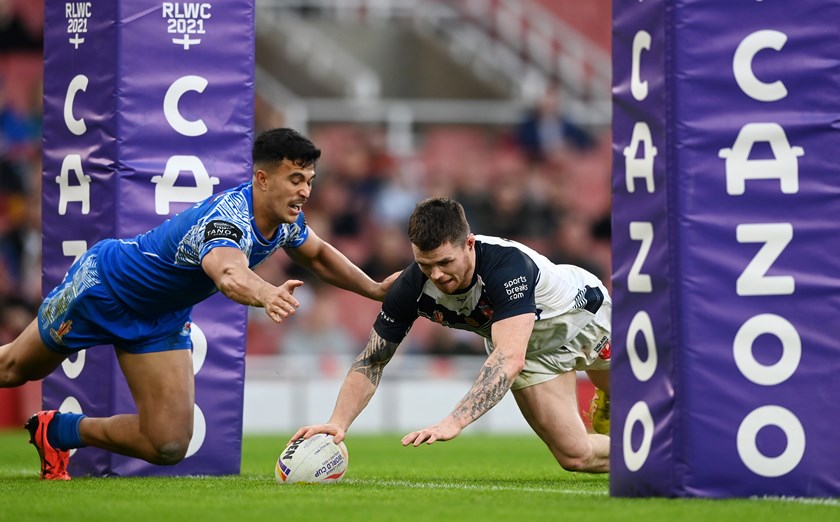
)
(472, 478)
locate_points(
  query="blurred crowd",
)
(21, 65)
(544, 182)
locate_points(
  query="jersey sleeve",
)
(399, 309)
(226, 224)
(510, 280)
(221, 233)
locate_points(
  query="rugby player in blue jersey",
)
(541, 323)
(137, 294)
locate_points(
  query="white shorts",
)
(549, 357)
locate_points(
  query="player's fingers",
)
(273, 314)
(305, 432)
(277, 313)
(283, 307)
(408, 439)
(422, 437)
(287, 303)
(327, 429)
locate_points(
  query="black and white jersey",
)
(510, 279)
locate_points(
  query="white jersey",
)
(510, 279)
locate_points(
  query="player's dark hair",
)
(275, 145)
(437, 221)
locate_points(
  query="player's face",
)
(450, 267)
(289, 187)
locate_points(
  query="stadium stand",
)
(386, 144)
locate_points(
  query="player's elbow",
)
(227, 283)
(582, 460)
(515, 364)
(575, 464)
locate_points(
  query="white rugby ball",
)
(314, 460)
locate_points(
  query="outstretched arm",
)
(510, 338)
(330, 265)
(358, 387)
(228, 268)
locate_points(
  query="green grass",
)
(473, 478)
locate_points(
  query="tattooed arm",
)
(358, 387)
(510, 338)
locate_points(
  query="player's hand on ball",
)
(441, 431)
(330, 429)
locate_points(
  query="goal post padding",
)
(148, 108)
(726, 269)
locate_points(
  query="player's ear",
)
(261, 179)
(470, 241)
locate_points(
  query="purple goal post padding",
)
(148, 108)
(726, 269)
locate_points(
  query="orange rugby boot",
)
(53, 460)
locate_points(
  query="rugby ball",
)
(314, 460)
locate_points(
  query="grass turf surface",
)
(471, 478)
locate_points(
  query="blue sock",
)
(63, 431)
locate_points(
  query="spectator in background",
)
(400, 190)
(388, 253)
(353, 171)
(20, 127)
(266, 115)
(21, 35)
(547, 131)
(508, 208)
(573, 243)
(12, 218)
(15, 315)
(14, 33)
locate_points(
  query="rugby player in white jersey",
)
(541, 323)
(137, 295)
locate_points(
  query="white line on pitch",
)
(474, 487)
(833, 502)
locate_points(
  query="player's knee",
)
(170, 452)
(170, 447)
(10, 374)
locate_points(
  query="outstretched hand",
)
(442, 431)
(330, 429)
(282, 303)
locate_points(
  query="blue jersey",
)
(160, 271)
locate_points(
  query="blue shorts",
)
(81, 312)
